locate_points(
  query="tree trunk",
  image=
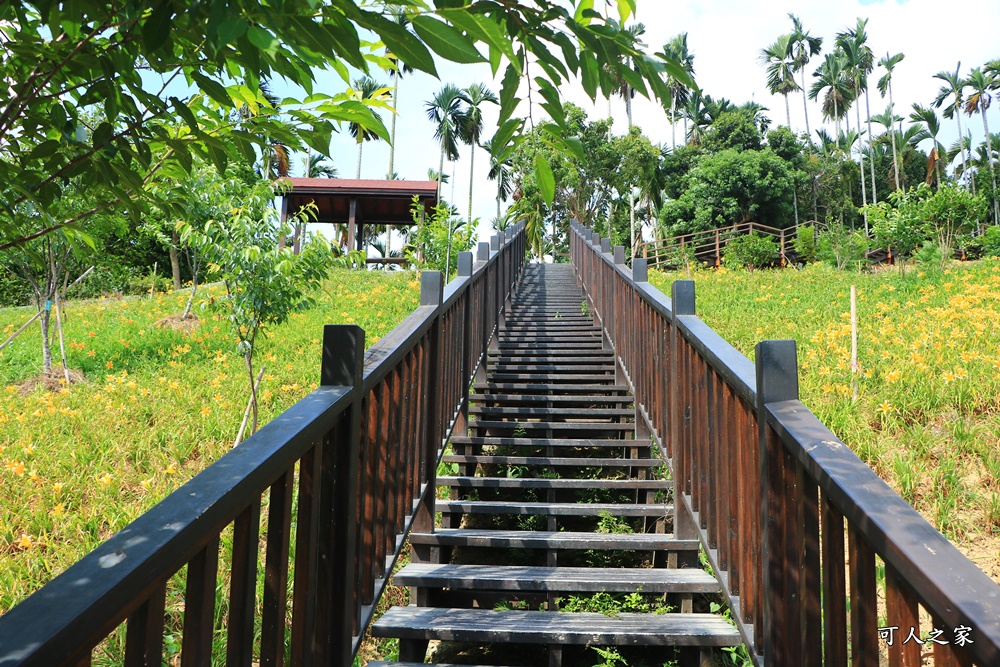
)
(175, 259)
(46, 346)
(395, 108)
(895, 155)
(472, 162)
(673, 122)
(871, 160)
(861, 162)
(360, 144)
(805, 105)
(989, 163)
(961, 138)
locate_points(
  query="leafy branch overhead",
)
(171, 80)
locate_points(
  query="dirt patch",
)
(179, 322)
(53, 380)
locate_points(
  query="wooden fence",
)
(339, 479)
(707, 246)
(771, 492)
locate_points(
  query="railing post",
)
(777, 380)
(465, 271)
(682, 303)
(605, 245)
(343, 366)
(431, 294)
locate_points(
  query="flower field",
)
(927, 413)
(158, 406)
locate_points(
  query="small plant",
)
(585, 309)
(610, 656)
(805, 243)
(520, 431)
(929, 255)
(841, 247)
(989, 242)
(750, 252)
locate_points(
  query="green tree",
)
(677, 50)
(835, 86)
(471, 128)
(859, 61)
(885, 85)
(930, 127)
(398, 69)
(952, 94)
(67, 59)
(368, 92)
(804, 47)
(951, 214)
(979, 101)
(779, 61)
(264, 283)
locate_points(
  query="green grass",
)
(925, 417)
(157, 407)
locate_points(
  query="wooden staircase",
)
(555, 504)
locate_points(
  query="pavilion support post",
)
(352, 224)
(284, 219)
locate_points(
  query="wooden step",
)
(560, 400)
(542, 627)
(547, 442)
(607, 368)
(549, 386)
(557, 540)
(555, 426)
(552, 461)
(582, 412)
(550, 483)
(530, 352)
(553, 509)
(553, 378)
(563, 579)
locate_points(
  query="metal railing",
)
(770, 492)
(339, 479)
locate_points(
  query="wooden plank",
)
(579, 579)
(550, 442)
(553, 461)
(864, 603)
(243, 587)
(274, 613)
(552, 509)
(524, 539)
(548, 483)
(199, 606)
(834, 585)
(540, 627)
(144, 634)
(903, 613)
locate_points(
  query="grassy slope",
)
(159, 405)
(926, 417)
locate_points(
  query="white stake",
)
(854, 341)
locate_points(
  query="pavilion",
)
(358, 202)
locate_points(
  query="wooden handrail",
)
(770, 492)
(360, 452)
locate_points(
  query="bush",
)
(989, 242)
(805, 243)
(840, 247)
(929, 255)
(750, 252)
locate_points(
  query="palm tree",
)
(926, 117)
(888, 120)
(952, 89)
(316, 166)
(832, 82)
(885, 84)
(471, 128)
(399, 68)
(625, 90)
(501, 171)
(698, 110)
(859, 62)
(445, 111)
(677, 49)
(365, 90)
(779, 60)
(979, 101)
(867, 60)
(804, 46)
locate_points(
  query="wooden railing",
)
(339, 479)
(770, 492)
(707, 246)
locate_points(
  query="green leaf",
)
(546, 181)
(446, 41)
(579, 16)
(101, 135)
(262, 39)
(508, 93)
(185, 113)
(156, 29)
(400, 41)
(625, 9)
(213, 89)
(484, 29)
(504, 134)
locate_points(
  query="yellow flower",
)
(58, 487)
(146, 483)
(206, 411)
(58, 510)
(170, 469)
(25, 542)
(104, 480)
(892, 376)
(949, 377)
(885, 408)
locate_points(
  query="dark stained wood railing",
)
(770, 492)
(338, 479)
